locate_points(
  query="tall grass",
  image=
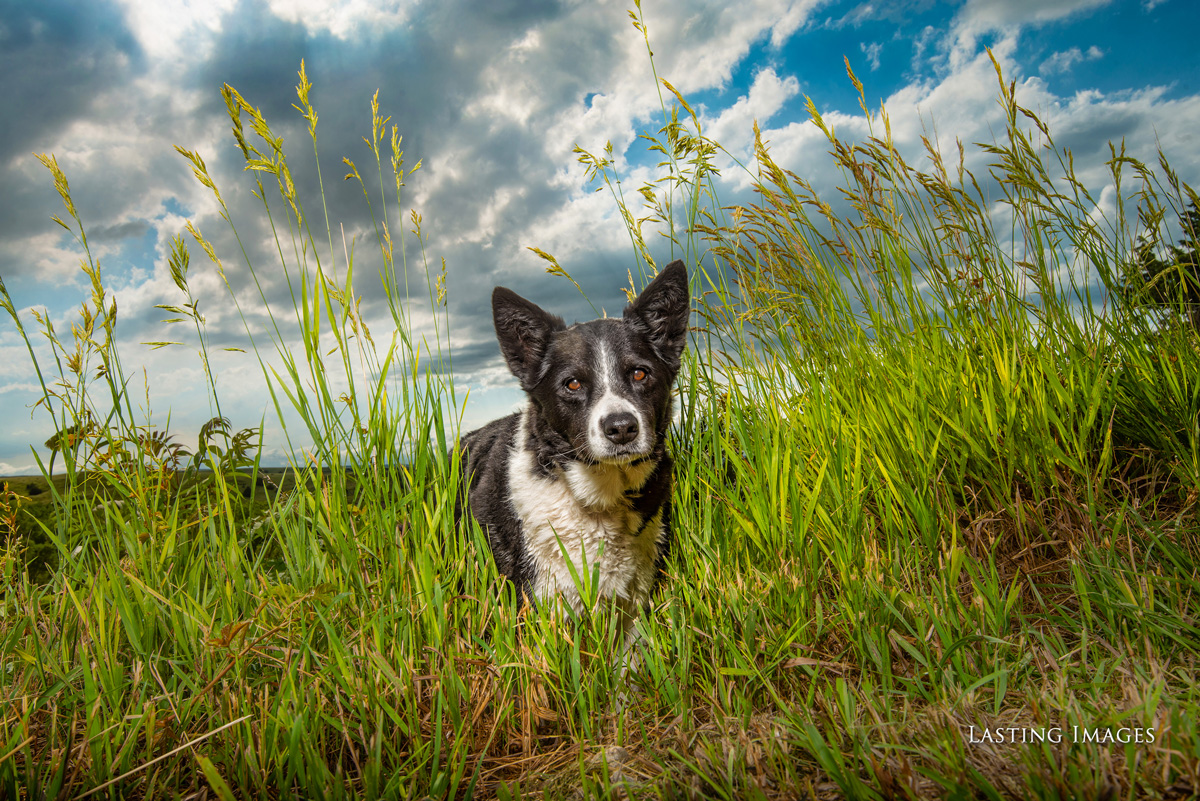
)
(931, 475)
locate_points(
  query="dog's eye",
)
(573, 384)
(639, 374)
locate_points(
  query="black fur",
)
(547, 357)
(485, 456)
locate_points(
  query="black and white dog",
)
(582, 470)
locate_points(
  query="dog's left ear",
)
(662, 311)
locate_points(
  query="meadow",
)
(937, 467)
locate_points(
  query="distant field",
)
(34, 485)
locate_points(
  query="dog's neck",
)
(606, 486)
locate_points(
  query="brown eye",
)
(639, 374)
(574, 385)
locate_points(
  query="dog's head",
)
(604, 386)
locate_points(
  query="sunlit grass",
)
(925, 481)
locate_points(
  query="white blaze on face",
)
(608, 403)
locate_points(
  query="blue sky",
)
(492, 96)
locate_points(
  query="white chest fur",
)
(584, 515)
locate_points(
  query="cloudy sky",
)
(491, 96)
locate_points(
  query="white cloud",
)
(26, 387)
(696, 47)
(872, 51)
(54, 261)
(1005, 17)
(174, 31)
(991, 15)
(768, 94)
(162, 26)
(346, 18)
(1065, 61)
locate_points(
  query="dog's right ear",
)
(524, 330)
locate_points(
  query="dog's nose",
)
(620, 428)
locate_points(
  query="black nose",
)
(620, 428)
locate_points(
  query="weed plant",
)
(932, 474)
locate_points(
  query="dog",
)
(581, 471)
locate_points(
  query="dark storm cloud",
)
(515, 13)
(469, 359)
(1091, 135)
(57, 56)
(471, 314)
(429, 74)
(118, 232)
(258, 54)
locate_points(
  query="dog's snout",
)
(620, 428)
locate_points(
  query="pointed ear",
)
(662, 311)
(524, 330)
